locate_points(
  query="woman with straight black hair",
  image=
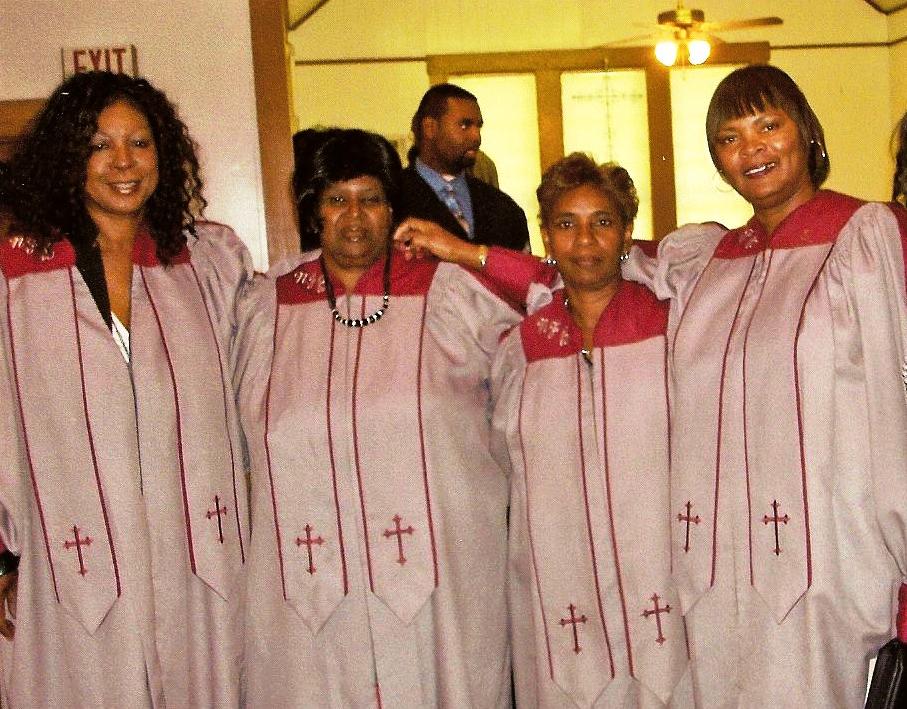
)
(789, 439)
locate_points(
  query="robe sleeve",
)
(507, 372)
(14, 471)
(521, 280)
(680, 259)
(224, 269)
(472, 309)
(225, 273)
(251, 360)
(870, 329)
(508, 375)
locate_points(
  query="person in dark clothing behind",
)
(447, 128)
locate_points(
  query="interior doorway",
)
(14, 119)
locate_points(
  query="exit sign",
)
(118, 58)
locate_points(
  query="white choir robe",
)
(378, 557)
(595, 620)
(789, 441)
(122, 485)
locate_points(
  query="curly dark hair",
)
(43, 187)
(577, 170)
(339, 155)
(758, 87)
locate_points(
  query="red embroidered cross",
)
(398, 532)
(785, 519)
(218, 511)
(688, 518)
(309, 541)
(573, 620)
(657, 613)
(78, 544)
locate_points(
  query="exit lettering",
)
(120, 59)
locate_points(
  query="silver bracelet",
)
(483, 256)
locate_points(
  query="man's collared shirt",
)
(440, 184)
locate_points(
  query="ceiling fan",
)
(687, 27)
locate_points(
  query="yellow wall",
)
(849, 92)
(857, 92)
(897, 59)
(197, 51)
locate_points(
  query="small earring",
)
(820, 146)
(549, 260)
(624, 256)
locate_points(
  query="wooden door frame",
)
(548, 65)
(274, 108)
(14, 119)
(270, 55)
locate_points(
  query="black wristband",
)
(9, 563)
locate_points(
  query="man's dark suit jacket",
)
(499, 221)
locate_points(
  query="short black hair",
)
(344, 154)
(434, 105)
(757, 87)
(305, 144)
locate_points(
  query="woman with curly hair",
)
(581, 406)
(122, 494)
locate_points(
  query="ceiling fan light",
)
(666, 52)
(699, 50)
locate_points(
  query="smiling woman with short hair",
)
(788, 345)
(377, 564)
(581, 408)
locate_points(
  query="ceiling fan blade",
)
(739, 24)
(646, 38)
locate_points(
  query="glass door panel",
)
(510, 137)
(701, 193)
(605, 114)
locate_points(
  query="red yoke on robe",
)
(595, 618)
(379, 516)
(122, 485)
(789, 440)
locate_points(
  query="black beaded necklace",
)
(368, 319)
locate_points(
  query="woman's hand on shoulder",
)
(417, 237)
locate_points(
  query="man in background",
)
(447, 130)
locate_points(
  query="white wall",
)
(198, 51)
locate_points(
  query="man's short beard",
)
(465, 162)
